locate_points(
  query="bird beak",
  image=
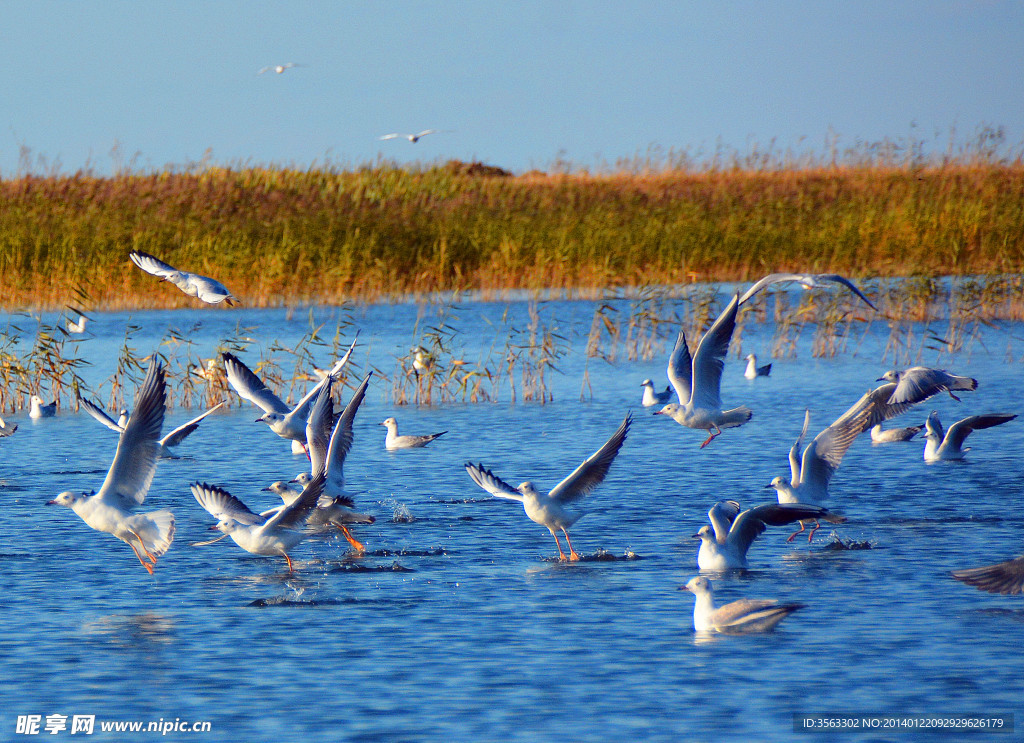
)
(212, 528)
(769, 485)
(258, 420)
(51, 502)
(656, 412)
(694, 536)
(880, 379)
(295, 480)
(266, 490)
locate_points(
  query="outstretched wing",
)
(295, 513)
(794, 452)
(918, 383)
(250, 387)
(680, 369)
(341, 438)
(151, 264)
(808, 280)
(721, 516)
(100, 414)
(180, 433)
(592, 471)
(1003, 577)
(961, 429)
(492, 483)
(318, 426)
(709, 359)
(220, 504)
(301, 410)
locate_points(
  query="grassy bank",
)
(380, 231)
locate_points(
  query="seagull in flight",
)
(279, 68)
(550, 510)
(414, 138)
(738, 617)
(203, 288)
(172, 439)
(724, 544)
(918, 383)
(129, 478)
(698, 380)
(941, 446)
(807, 281)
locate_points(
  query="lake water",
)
(458, 624)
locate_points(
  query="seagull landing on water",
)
(698, 380)
(550, 510)
(724, 544)
(738, 617)
(753, 371)
(414, 138)
(203, 288)
(129, 478)
(941, 446)
(918, 383)
(279, 68)
(652, 397)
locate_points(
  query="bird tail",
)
(156, 530)
(736, 417)
(964, 383)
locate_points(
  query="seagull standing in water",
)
(550, 510)
(738, 617)
(941, 446)
(881, 435)
(698, 380)
(203, 288)
(129, 478)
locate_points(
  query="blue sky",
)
(516, 84)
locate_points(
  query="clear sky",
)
(517, 84)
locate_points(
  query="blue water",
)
(458, 624)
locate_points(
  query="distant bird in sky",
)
(204, 288)
(414, 138)
(279, 68)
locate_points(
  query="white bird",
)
(39, 409)
(724, 544)
(274, 533)
(918, 383)
(393, 441)
(889, 435)
(77, 327)
(287, 422)
(652, 397)
(811, 474)
(6, 430)
(753, 371)
(422, 360)
(279, 68)
(414, 138)
(210, 371)
(738, 617)
(807, 281)
(172, 439)
(698, 380)
(129, 478)
(204, 288)
(948, 446)
(1003, 577)
(550, 510)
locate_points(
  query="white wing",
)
(592, 471)
(808, 280)
(794, 452)
(393, 135)
(721, 516)
(180, 433)
(220, 504)
(341, 439)
(151, 264)
(709, 359)
(492, 483)
(961, 429)
(100, 414)
(680, 369)
(295, 513)
(301, 410)
(250, 387)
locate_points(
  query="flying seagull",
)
(414, 138)
(203, 288)
(918, 383)
(807, 281)
(172, 439)
(279, 68)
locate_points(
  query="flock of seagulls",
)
(317, 499)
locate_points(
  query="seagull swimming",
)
(753, 371)
(889, 435)
(414, 138)
(172, 439)
(549, 510)
(129, 478)
(274, 533)
(39, 409)
(811, 474)
(939, 446)
(724, 544)
(279, 68)
(286, 422)
(918, 383)
(393, 441)
(204, 288)
(6, 430)
(698, 380)
(1003, 577)
(77, 327)
(737, 617)
(807, 281)
(652, 397)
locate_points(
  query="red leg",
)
(289, 561)
(711, 436)
(810, 536)
(793, 535)
(356, 544)
(573, 557)
(561, 555)
(145, 564)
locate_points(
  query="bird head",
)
(890, 376)
(67, 499)
(669, 410)
(697, 585)
(705, 533)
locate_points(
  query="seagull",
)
(652, 397)
(918, 383)
(77, 327)
(172, 439)
(807, 281)
(286, 422)
(940, 447)
(329, 443)
(737, 617)
(889, 435)
(549, 510)
(1003, 577)
(811, 474)
(422, 360)
(279, 68)
(6, 430)
(724, 544)
(393, 441)
(204, 288)
(129, 478)
(274, 533)
(753, 371)
(38, 409)
(698, 381)
(414, 138)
